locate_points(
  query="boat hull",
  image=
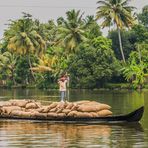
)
(134, 116)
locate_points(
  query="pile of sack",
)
(36, 110)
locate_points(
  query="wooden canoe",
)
(134, 116)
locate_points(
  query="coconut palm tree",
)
(8, 63)
(23, 38)
(116, 12)
(71, 32)
(92, 28)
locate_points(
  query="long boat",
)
(134, 116)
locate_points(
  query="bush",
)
(94, 64)
(117, 85)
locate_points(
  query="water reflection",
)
(44, 134)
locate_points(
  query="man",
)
(62, 87)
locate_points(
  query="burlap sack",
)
(16, 113)
(51, 115)
(104, 106)
(94, 114)
(25, 114)
(66, 111)
(20, 114)
(69, 105)
(83, 115)
(86, 108)
(40, 110)
(38, 104)
(20, 103)
(92, 108)
(75, 106)
(92, 103)
(31, 105)
(53, 105)
(38, 115)
(104, 113)
(53, 110)
(9, 109)
(61, 105)
(61, 115)
(43, 109)
(72, 114)
(82, 102)
(59, 110)
(5, 103)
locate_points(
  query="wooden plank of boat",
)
(134, 116)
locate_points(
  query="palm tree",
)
(23, 38)
(71, 32)
(92, 28)
(8, 63)
(116, 12)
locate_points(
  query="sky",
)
(45, 10)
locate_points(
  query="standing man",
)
(62, 87)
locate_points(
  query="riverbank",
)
(107, 86)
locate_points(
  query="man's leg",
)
(65, 95)
(62, 96)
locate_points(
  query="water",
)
(30, 134)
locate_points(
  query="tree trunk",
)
(139, 52)
(13, 78)
(120, 43)
(31, 67)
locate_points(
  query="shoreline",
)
(110, 86)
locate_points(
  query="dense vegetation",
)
(36, 54)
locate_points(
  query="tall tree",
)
(128, 41)
(71, 32)
(94, 64)
(24, 38)
(8, 63)
(116, 12)
(92, 28)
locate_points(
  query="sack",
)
(92, 108)
(31, 105)
(104, 113)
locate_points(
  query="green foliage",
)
(8, 62)
(59, 60)
(117, 85)
(45, 81)
(23, 37)
(143, 17)
(74, 44)
(91, 27)
(71, 31)
(93, 65)
(22, 71)
(140, 55)
(140, 33)
(135, 74)
(128, 41)
(115, 12)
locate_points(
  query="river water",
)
(32, 134)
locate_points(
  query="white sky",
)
(50, 9)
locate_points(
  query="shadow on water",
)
(44, 134)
